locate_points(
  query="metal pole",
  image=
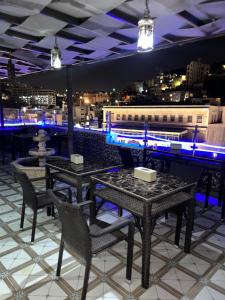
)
(145, 143)
(1, 108)
(70, 108)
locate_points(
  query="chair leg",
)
(53, 211)
(120, 211)
(22, 215)
(59, 265)
(166, 215)
(189, 225)
(178, 226)
(86, 278)
(130, 247)
(34, 226)
(208, 189)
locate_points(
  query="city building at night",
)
(173, 121)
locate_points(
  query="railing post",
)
(1, 108)
(70, 108)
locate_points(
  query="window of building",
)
(118, 117)
(189, 119)
(164, 118)
(136, 118)
(142, 117)
(112, 116)
(199, 119)
(124, 117)
(180, 119)
(149, 118)
(172, 118)
(156, 118)
(129, 117)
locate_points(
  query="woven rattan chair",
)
(128, 160)
(84, 241)
(34, 200)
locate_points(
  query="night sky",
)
(118, 73)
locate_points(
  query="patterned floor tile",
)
(208, 293)
(166, 249)
(219, 278)
(217, 239)
(155, 292)
(28, 271)
(178, 280)
(194, 264)
(120, 279)
(208, 251)
(155, 266)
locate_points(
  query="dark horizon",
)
(106, 75)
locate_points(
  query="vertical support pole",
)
(145, 144)
(70, 108)
(1, 108)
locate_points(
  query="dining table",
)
(78, 172)
(145, 201)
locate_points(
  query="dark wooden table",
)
(139, 197)
(81, 172)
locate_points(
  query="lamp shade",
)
(145, 35)
(56, 58)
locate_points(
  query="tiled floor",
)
(28, 271)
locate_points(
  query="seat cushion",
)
(105, 241)
(44, 200)
(69, 179)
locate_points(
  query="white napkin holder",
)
(145, 174)
(175, 146)
(77, 159)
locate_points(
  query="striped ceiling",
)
(94, 30)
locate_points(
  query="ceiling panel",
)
(92, 30)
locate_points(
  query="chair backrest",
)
(185, 170)
(75, 231)
(126, 157)
(29, 196)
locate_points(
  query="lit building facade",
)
(173, 121)
(83, 113)
(38, 97)
(196, 72)
(92, 98)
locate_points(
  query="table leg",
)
(221, 189)
(189, 225)
(13, 149)
(223, 210)
(48, 178)
(93, 206)
(79, 190)
(146, 251)
(208, 189)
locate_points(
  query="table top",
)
(124, 181)
(89, 167)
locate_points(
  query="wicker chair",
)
(128, 160)
(34, 200)
(85, 241)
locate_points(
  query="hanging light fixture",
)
(146, 31)
(56, 57)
